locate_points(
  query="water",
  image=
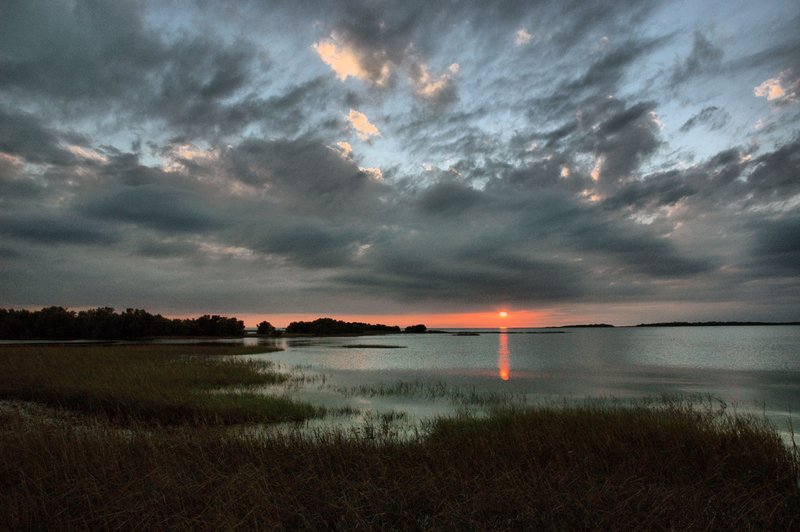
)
(756, 368)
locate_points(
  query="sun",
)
(503, 314)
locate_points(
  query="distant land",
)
(585, 326)
(714, 323)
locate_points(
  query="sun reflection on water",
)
(503, 355)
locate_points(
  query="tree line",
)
(330, 326)
(58, 323)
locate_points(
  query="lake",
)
(753, 368)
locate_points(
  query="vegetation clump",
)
(601, 467)
(58, 323)
(331, 327)
(148, 383)
(265, 328)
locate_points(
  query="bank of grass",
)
(148, 383)
(665, 465)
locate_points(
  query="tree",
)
(265, 327)
(416, 328)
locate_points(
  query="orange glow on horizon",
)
(503, 314)
(520, 318)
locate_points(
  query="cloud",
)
(374, 173)
(160, 207)
(361, 124)
(374, 53)
(781, 89)
(712, 117)
(775, 245)
(344, 60)
(344, 149)
(195, 158)
(522, 37)
(53, 228)
(441, 88)
(24, 137)
(703, 57)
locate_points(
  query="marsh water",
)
(752, 368)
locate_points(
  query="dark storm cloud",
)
(200, 158)
(450, 276)
(712, 117)
(655, 191)
(54, 228)
(448, 199)
(622, 136)
(626, 139)
(312, 245)
(777, 174)
(303, 173)
(157, 206)
(25, 136)
(88, 52)
(81, 50)
(776, 245)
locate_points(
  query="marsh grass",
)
(158, 455)
(457, 395)
(671, 465)
(157, 383)
(371, 346)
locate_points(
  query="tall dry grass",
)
(665, 466)
(158, 383)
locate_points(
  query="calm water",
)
(757, 368)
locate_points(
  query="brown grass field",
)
(117, 445)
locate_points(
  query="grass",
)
(458, 396)
(372, 346)
(156, 383)
(663, 466)
(159, 456)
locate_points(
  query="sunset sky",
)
(403, 162)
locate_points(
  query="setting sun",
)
(503, 314)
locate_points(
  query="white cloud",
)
(780, 89)
(344, 149)
(364, 128)
(178, 154)
(428, 86)
(373, 173)
(347, 59)
(597, 169)
(522, 37)
(87, 153)
(346, 62)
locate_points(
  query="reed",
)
(157, 383)
(665, 465)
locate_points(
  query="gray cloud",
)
(54, 228)
(712, 117)
(703, 57)
(776, 245)
(156, 206)
(197, 161)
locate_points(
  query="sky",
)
(403, 162)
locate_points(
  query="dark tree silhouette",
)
(58, 323)
(330, 326)
(265, 327)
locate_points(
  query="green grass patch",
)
(157, 383)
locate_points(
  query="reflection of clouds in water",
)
(503, 355)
